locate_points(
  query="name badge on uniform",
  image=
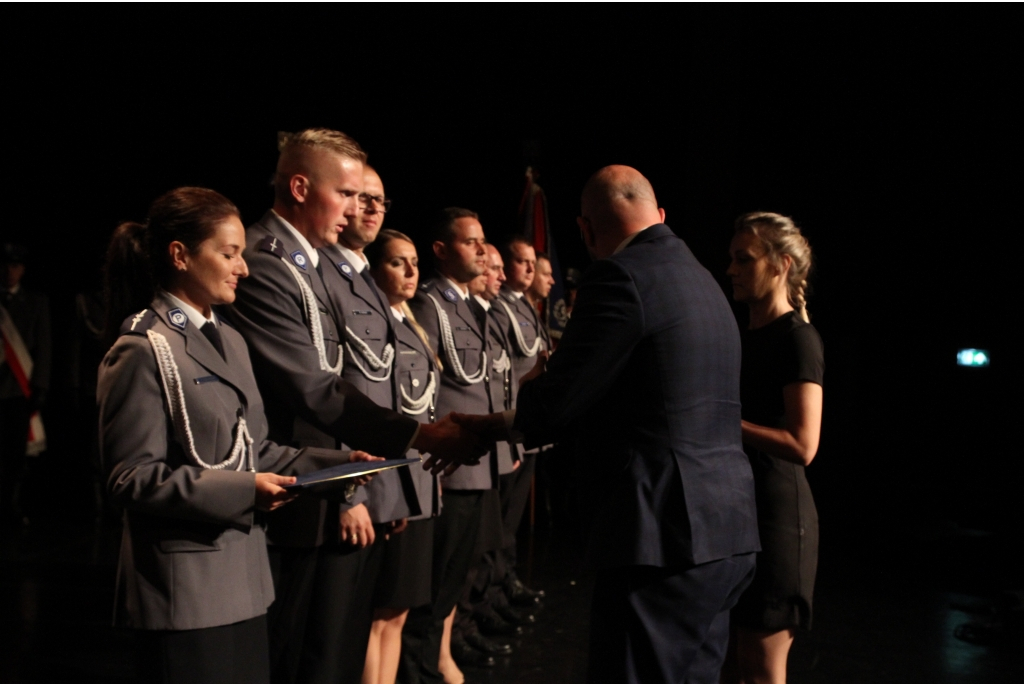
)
(450, 295)
(345, 269)
(177, 319)
(299, 259)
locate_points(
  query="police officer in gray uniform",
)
(354, 560)
(529, 342)
(442, 307)
(293, 330)
(183, 438)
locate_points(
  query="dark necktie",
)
(212, 334)
(480, 313)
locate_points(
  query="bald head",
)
(616, 202)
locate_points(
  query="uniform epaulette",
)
(138, 324)
(272, 244)
(427, 284)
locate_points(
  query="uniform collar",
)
(463, 292)
(357, 261)
(625, 243)
(397, 313)
(193, 314)
(314, 256)
(483, 303)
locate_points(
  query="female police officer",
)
(183, 439)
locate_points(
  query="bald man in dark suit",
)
(645, 382)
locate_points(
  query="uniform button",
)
(367, 331)
(487, 379)
(415, 382)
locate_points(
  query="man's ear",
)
(586, 231)
(440, 250)
(299, 186)
(661, 211)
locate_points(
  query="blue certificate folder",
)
(349, 470)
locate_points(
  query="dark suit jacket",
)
(646, 379)
(305, 406)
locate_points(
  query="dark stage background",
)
(889, 134)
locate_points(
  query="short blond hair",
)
(296, 148)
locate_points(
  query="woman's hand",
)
(355, 527)
(270, 494)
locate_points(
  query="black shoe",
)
(492, 624)
(520, 595)
(467, 657)
(481, 643)
(514, 616)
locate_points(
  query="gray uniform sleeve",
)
(135, 445)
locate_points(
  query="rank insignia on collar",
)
(299, 259)
(449, 294)
(345, 269)
(177, 319)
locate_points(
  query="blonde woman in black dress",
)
(781, 392)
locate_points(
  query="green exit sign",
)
(973, 357)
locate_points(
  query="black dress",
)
(785, 351)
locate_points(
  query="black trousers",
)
(14, 417)
(341, 613)
(664, 625)
(515, 493)
(293, 570)
(455, 539)
(235, 653)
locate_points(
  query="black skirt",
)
(780, 596)
(405, 574)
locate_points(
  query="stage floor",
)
(884, 612)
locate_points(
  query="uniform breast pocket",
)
(468, 346)
(369, 328)
(416, 381)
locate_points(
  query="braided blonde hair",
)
(780, 236)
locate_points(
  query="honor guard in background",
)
(530, 342)
(444, 308)
(294, 333)
(24, 373)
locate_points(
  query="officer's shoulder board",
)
(426, 284)
(272, 244)
(139, 323)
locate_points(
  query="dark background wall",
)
(890, 135)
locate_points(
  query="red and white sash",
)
(16, 355)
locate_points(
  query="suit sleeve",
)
(134, 444)
(268, 311)
(607, 323)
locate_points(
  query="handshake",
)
(459, 439)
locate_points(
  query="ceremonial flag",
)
(536, 228)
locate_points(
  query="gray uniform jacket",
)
(529, 325)
(500, 386)
(466, 344)
(414, 365)
(369, 319)
(306, 405)
(193, 552)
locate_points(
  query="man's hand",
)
(538, 368)
(355, 527)
(396, 527)
(449, 445)
(270, 493)
(357, 455)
